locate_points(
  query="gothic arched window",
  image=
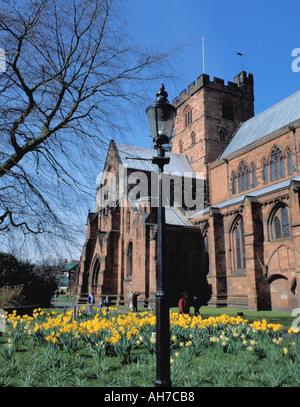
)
(238, 243)
(129, 260)
(180, 146)
(223, 135)
(188, 116)
(206, 247)
(193, 138)
(277, 164)
(265, 170)
(279, 224)
(288, 154)
(244, 177)
(233, 182)
(253, 172)
(128, 220)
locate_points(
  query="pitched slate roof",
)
(276, 117)
(175, 217)
(130, 155)
(257, 193)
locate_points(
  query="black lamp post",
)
(161, 115)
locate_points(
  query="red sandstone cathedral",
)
(240, 248)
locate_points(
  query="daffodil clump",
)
(112, 333)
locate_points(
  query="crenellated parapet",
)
(243, 82)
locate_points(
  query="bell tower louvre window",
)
(227, 110)
(188, 116)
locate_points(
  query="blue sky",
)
(265, 31)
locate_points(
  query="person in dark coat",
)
(196, 305)
(134, 300)
(183, 304)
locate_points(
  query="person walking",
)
(196, 305)
(56, 294)
(100, 304)
(134, 300)
(91, 302)
(107, 303)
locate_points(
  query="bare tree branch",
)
(71, 74)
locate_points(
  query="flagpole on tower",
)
(203, 55)
(241, 55)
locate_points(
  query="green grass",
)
(212, 368)
(43, 367)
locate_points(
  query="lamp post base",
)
(163, 377)
(162, 383)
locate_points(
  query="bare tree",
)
(71, 74)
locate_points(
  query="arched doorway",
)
(280, 292)
(95, 276)
(282, 281)
(185, 273)
(177, 271)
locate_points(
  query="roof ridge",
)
(264, 123)
(140, 158)
(149, 149)
(272, 107)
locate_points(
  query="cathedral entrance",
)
(185, 273)
(95, 276)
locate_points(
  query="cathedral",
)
(239, 248)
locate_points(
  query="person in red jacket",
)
(183, 304)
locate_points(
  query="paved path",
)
(62, 304)
(69, 306)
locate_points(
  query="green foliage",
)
(97, 344)
(25, 287)
(148, 337)
(124, 348)
(11, 296)
(14, 272)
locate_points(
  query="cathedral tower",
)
(208, 114)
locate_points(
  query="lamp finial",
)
(162, 94)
